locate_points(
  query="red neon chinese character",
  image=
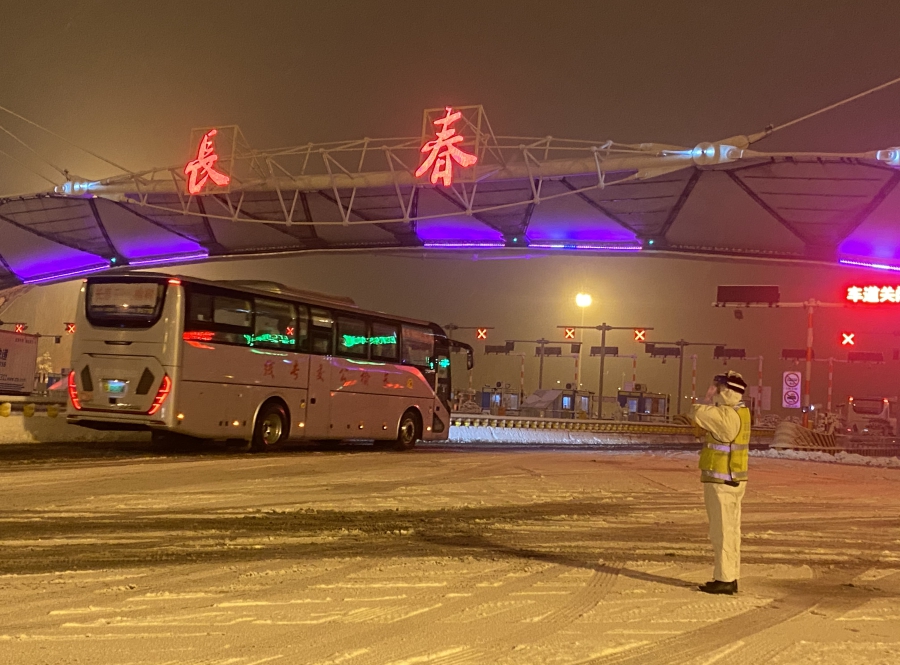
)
(204, 165)
(443, 151)
(570, 333)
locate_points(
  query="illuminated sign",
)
(442, 151)
(20, 327)
(481, 333)
(873, 294)
(570, 333)
(268, 338)
(640, 335)
(202, 169)
(356, 340)
(70, 328)
(848, 339)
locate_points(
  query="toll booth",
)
(640, 405)
(499, 400)
(569, 403)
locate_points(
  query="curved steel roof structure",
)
(541, 194)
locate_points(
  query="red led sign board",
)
(442, 151)
(202, 169)
(873, 294)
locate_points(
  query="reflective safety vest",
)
(726, 461)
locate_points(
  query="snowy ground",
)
(437, 556)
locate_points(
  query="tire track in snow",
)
(736, 640)
(395, 642)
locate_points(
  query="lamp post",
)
(583, 300)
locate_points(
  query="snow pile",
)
(837, 458)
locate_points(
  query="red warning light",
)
(20, 327)
(70, 328)
(570, 333)
(848, 339)
(202, 169)
(640, 335)
(481, 333)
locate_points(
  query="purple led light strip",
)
(168, 259)
(864, 264)
(462, 245)
(579, 245)
(63, 275)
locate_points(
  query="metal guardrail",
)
(604, 426)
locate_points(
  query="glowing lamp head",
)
(583, 300)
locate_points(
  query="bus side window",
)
(302, 329)
(322, 331)
(274, 325)
(352, 337)
(231, 319)
(200, 307)
(418, 346)
(384, 340)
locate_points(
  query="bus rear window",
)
(131, 304)
(868, 407)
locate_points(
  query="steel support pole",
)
(693, 378)
(602, 369)
(759, 390)
(680, 372)
(830, 382)
(808, 373)
(522, 380)
(541, 370)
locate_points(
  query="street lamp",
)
(583, 300)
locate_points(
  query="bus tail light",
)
(73, 391)
(165, 387)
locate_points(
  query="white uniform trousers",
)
(723, 507)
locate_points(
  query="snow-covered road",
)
(436, 556)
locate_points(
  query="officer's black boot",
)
(717, 586)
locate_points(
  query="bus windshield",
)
(124, 304)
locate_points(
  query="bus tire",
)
(409, 431)
(271, 427)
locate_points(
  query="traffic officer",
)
(723, 472)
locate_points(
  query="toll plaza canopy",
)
(459, 186)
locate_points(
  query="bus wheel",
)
(270, 428)
(409, 432)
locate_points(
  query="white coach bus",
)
(256, 362)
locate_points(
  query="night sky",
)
(130, 84)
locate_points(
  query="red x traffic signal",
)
(20, 327)
(848, 339)
(70, 328)
(481, 333)
(640, 335)
(570, 333)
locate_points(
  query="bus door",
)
(318, 401)
(440, 379)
